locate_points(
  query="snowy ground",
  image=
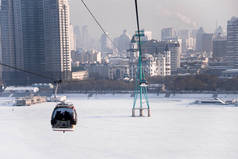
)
(176, 130)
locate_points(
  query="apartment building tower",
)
(232, 42)
(35, 37)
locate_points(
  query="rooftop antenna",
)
(141, 83)
(216, 24)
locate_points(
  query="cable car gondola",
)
(143, 83)
(64, 117)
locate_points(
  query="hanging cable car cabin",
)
(64, 117)
(143, 83)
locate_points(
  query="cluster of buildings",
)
(212, 53)
(160, 58)
(225, 51)
(37, 36)
(180, 52)
(82, 38)
(84, 56)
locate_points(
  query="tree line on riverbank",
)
(173, 83)
(97, 85)
(201, 82)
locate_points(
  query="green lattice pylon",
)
(140, 88)
(140, 81)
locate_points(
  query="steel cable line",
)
(138, 30)
(138, 25)
(33, 73)
(95, 19)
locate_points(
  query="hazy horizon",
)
(117, 15)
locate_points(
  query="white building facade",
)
(164, 64)
(57, 37)
(232, 42)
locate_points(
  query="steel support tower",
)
(140, 81)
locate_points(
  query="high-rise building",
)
(0, 57)
(188, 41)
(168, 34)
(106, 45)
(207, 42)
(204, 41)
(22, 39)
(232, 42)
(199, 35)
(35, 38)
(85, 37)
(219, 47)
(72, 39)
(77, 36)
(164, 63)
(184, 35)
(219, 43)
(122, 43)
(57, 38)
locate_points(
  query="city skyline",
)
(117, 15)
(39, 37)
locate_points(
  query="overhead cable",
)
(33, 73)
(95, 19)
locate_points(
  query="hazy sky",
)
(117, 15)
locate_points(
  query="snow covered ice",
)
(105, 130)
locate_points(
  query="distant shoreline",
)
(161, 92)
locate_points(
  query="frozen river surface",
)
(176, 130)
